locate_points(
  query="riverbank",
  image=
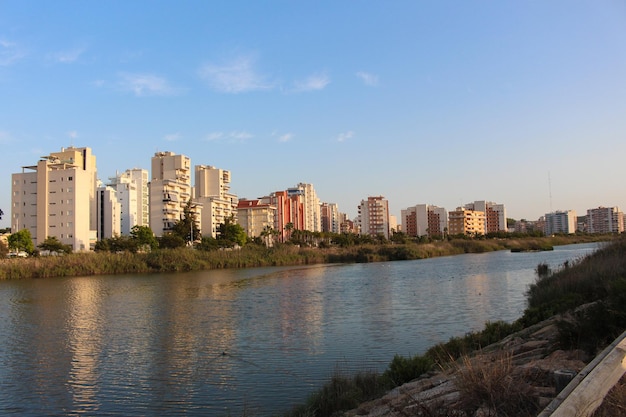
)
(506, 369)
(185, 259)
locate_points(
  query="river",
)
(233, 342)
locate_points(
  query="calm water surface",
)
(219, 343)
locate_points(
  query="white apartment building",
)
(170, 190)
(312, 214)
(373, 217)
(495, 215)
(605, 220)
(132, 190)
(57, 197)
(108, 211)
(424, 219)
(214, 201)
(560, 222)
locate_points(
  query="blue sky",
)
(518, 102)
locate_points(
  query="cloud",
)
(367, 78)
(68, 56)
(10, 53)
(145, 85)
(312, 83)
(286, 137)
(342, 137)
(172, 137)
(235, 136)
(236, 76)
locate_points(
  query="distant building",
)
(605, 220)
(424, 220)
(170, 190)
(560, 222)
(330, 217)
(257, 218)
(132, 190)
(373, 217)
(495, 215)
(57, 197)
(108, 209)
(215, 202)
(311, 206)
(463, 221)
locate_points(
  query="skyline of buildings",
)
(61, 196)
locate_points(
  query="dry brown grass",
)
(490, 383)
(614, 403)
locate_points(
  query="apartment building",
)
(170, 190)
(213, 199)
(373, 217)
(605, 220)
(132, 191)
(108, 212)
(463, 221)
(57, 197)
(311, 203)
(495, 215)
(560, 222)
(256, 217)
(424, 220)
(289, 212)
(330, 217)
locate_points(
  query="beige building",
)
(463, 221)
(373, 217)
(213, 199)
(57, 197)
(560, 222)
(257, 218)
(170, 190)
(133, 194)
(330, 217)
(311, 205)
(424, 220)
(495, 215)
(109, 210)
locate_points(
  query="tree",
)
(171, 241)
(53, 244)
(4, 249)
(22, 241)
(230, 233)
(187, 228)
(144, 237)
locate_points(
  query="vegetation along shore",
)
(130, 255)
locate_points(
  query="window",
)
(70, 178)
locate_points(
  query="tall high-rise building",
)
(212, 194)
(109, 211)
(330, 217)
(495, 215)
(132, 193)
(560, 222)
(170, 190)
(373, 217)
(311, 203)
(57, 197)
(605, 220)
(424, 220)
(289, 212)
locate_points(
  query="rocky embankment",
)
(518, 376)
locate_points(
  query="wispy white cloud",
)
(235, 136)
(10, 53)
(368, 78)
(312, 83)
(145, 85)
(237, 76)
(342, 137)
(286, 137)
(68, 56)
(172, 137)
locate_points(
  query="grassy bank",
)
(185, 259)
(598, 281)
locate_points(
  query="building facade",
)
(424, 220)
(108, 211)
(463, 221)
(373, 217)
(495, 215)
(330, 218)
(213, 199)
(170, 190)
(132, 190)
(605, 220)
(257, 219)
(560, 222)
(57, 197)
